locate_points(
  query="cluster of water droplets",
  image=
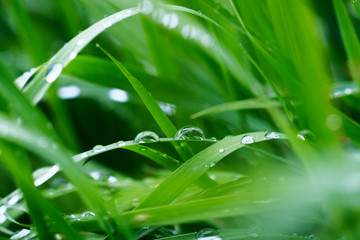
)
(208, 234)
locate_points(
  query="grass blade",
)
(38, 86)
(195, 167)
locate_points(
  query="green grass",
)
(202, 120)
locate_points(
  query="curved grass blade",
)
(38, 86)
(195, 167)
(255, 103)
(160, 117)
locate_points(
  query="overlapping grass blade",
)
(195, 167)
(357, 6)
(255, 103)
(38, 86)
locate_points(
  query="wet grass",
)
(179, 120)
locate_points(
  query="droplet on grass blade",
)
(190, 133)
(54, 72)
(272, 135)
(146, 136)
(146, 7)
(98, 148)
(88, 214)
(20, 234)
(247, 140)
(208, 234)
(170, 20)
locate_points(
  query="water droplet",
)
(120, 143)
(146, 136)
(54, 72)
(14, 200)
(252, 234)
(348, 91)
(272, 135)
(334, 122)
(227, 137)
(208, 234)
(80, 42)
(212, 164)
(301, 137)
(247, 140)
(107, 24)
(195, 168)
(20, 234)
(112, 179)
(88, 214)
(95, 175)
(170, 20)
(3, 218)
(213, 139)
(43, 174)
(221, 150)
(168, 108)
(146, 7)
(141, 217)
(2, 209)
(98, 148)
(69, 92)
(190, 133)
(206, 40)
(73, 55)
(118, 95)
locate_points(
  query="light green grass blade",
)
(255, 103)
(42, 81)
(350, 39)
(195, 167)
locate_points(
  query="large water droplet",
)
(54, 72)
(208, 234)
(73, 55)
(69, 92)
(146, 136)
(146, 7)
(98, 148)
(190, 133)
(20, 234)
(272, 135)
(247, 140)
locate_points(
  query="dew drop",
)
(14, 199)
(2, 209)
(334, 122)
(54, 72)
(348, 91)
(227, 137)
(20, 234)
(146, 136)
(213, 139)
(120, 143)
(170, 20)
(195, 168)
(3, 218)
(107, 24)
(88, 214)
(98, 148)
(212, 164)
(112, 179)
(301, 137)
(73, 55)
(206, 40)
(247, 140)
(208, 234)
(272, 135)
(69, 92)
(190, 133)
(80, 42)
(221, 150)
(146, 7)
(118, 95)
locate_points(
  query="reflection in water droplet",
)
(20, 234)
(69, 92)
(190, 133)
(272, 135)
(247, 140)
(208, 234)
(73, 55)
(98, 148)
(88, 214)
(14, 200)
(80, 42)
(301, 137)
(146, 136)
(221, 150)
(118, 95)
(170, 20)
(146, 7)
(54, 72)
(206, 40)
